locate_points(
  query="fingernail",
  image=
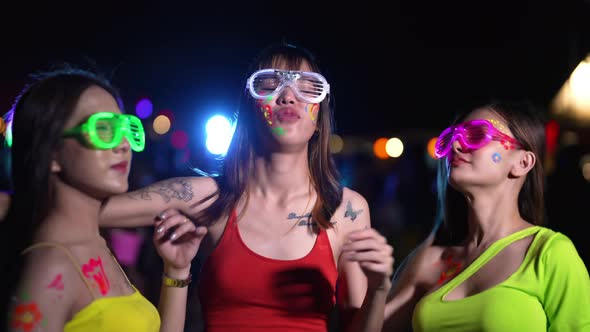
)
(173, 236)
(162, 215)
(160, 229)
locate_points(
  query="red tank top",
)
(240, 290)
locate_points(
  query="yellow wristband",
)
(171, 282)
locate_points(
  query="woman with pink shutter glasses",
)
(491, 266)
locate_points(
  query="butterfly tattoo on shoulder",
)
(350, 212)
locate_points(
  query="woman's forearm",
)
(172, 305)
(140, 207)
(369, 317)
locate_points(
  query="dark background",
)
(396, 65)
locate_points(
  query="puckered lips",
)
(287, 115)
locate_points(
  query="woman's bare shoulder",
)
(352, 213)
(421, 266)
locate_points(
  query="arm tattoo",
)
(350, 212)
(177, 188)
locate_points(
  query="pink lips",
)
(287, 115)
(121, 167)
(456, 161)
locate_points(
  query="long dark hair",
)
(527, 127)
(37, 121)
(238, 163)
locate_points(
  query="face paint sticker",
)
(26, 317)
(496, 157)
(450, 269)
(312, 110)
(57, 283)
(24, 297)
(498, 125)
(95, 271)
(507, 145)
(279, 131)
(266, 111)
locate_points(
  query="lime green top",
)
(550, 291)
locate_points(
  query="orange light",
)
(161, 124)
(430, 147)
(379, 148)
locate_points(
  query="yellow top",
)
(105, 314)
(120, 313)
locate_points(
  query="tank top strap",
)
(120, 267)
(323, 237)
(69, 255)
(231, 225)
(229, 233)
(233, 217)
(487, 255)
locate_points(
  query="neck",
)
(493, 214)
(281, 174)
(73, 218)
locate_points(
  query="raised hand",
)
(177, 239)
(374, 255)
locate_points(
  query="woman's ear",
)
(525, 162)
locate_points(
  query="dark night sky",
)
(410, 66)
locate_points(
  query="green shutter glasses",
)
(105, 130)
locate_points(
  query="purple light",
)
(179, 139)
(144, 108)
